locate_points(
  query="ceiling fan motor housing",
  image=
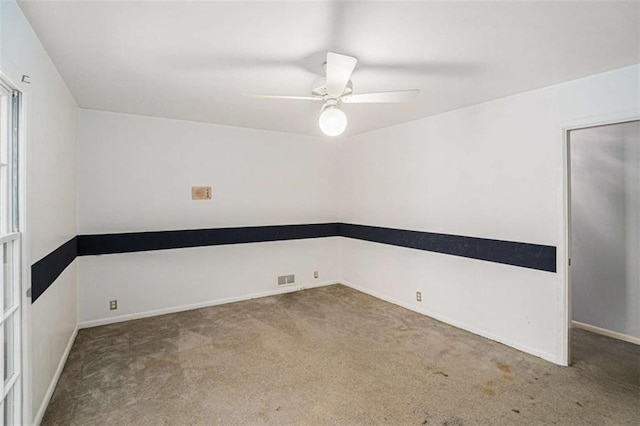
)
(319, 88)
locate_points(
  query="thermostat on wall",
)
(200, 192)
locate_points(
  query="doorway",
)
(604, 239)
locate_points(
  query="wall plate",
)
(200, 192)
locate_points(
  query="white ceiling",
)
(195, 60)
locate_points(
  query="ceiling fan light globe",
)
(333, 121)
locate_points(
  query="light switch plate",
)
(200, 192)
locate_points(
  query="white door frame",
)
(23, 391)
(565, 250)
(25, 272)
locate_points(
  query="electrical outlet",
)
(291, 279)
(316, 274)
(419, 296)
(113, 305)
(200, 192)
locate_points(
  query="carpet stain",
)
(453, 421)
(505, 368)
(489, 391)
(507, 377)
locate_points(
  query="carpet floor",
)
(335, 356)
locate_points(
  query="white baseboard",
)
(54, 381)
(605, 332)
(192, 306)
(524, 348)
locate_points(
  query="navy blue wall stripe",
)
(526, 255)
(162, 240)
(45, 271)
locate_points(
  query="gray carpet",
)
(334, 356)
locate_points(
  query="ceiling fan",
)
(337, 88)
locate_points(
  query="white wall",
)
(136, 173)
(51, 128)
(605, 233)
(493, 170)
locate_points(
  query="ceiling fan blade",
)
(339, 70)
(380, 97)
(299, 98)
